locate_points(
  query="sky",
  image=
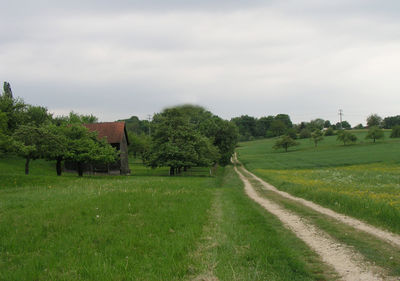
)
(116, 59)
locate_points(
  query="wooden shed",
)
(116, 135)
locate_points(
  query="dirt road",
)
(349, 264)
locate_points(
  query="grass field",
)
(361, 180)
(147, 226)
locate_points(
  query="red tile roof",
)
(113, 131)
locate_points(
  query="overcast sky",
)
(115, 59)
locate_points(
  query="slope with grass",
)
(361, 180)
(147, 226)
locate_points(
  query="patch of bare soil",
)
(348, 264)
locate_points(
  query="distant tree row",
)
(32, 133)
(270, 126)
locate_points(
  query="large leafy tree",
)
(375, 133)
(177, 143)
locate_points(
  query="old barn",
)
(116, 135)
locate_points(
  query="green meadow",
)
(147, 226)
(361, 180)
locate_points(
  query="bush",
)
(395, 132)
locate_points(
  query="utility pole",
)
(340, 117)
(149, 118)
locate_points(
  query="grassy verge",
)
(375, 251)
(244, 242)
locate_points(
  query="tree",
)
(285, 142)
(246, 125)
(317, 136)
(375, 133)
(278, 128)
(344, 125)
(75, 118)
(329, 132)
(359, 126)
(37, 115)
(223, 134)
(7, 90)
(395, 132)
(5, 140)
(346, 137)
(84, 147)
(316, 124)
(374, 120)
(263, 124)
(139, 145)
(55, 146)
(291, 132)
(14, 108)
(305, 133)
(285, 119)
(391, 121)
(177, 143)
(327, 124)
(29, 143)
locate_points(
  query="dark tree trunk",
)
(179, 170)
(185, 169)
(80, 169)
(58, 166)
(27, 165)
(171, 171)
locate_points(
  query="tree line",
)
(180, 137)
(32, 133)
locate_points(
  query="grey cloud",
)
(304, 58)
